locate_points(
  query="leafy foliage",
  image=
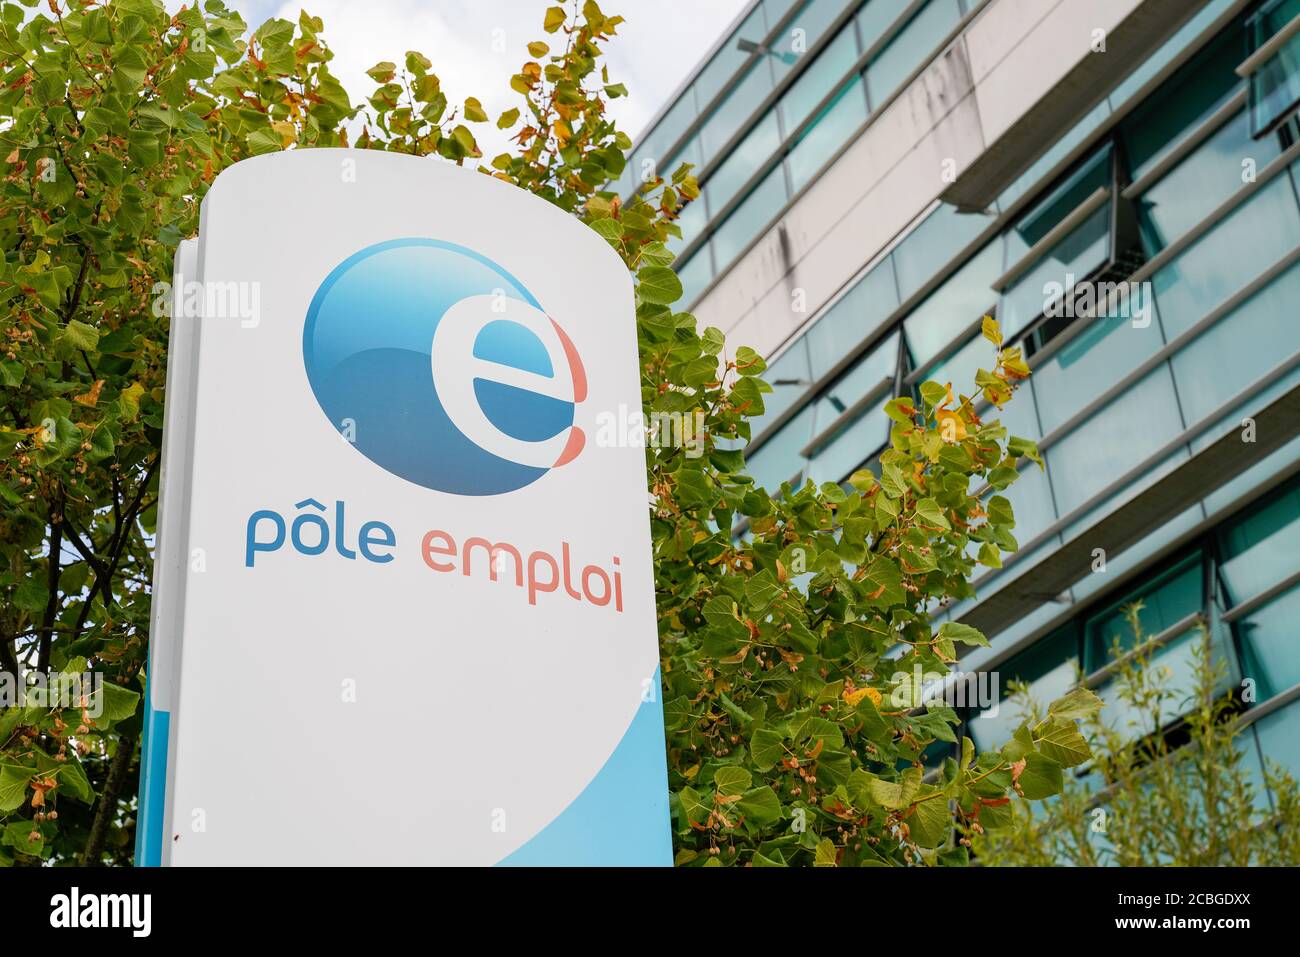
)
(1169, 784)
(779, 646)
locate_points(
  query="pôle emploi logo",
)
(439, 367)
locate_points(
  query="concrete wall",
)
(1019, 75)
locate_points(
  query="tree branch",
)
(107, 806)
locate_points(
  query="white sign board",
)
(404, 603)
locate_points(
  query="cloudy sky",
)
(475, 45)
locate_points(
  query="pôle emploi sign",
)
(404, 607)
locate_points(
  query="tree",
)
(1169, 782)
(775, 645)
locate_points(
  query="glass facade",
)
(1185, 190)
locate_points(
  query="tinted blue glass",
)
(859, 380)
(930, 246)
(1193, 188)
(1240, 348)
(1275, 86)
(1114, 440)
(1102, 353)
(665, 134)
(691, 221)
(736, 109)
(789, 378)
(729, 178)
(1271, 644)
(910, 47)
(749, 218)
(1182, 103)
(1235, 251)
(695, 274)
(1049, 667)
(730, 56)
(778, 460)
(1279, 737)
(1166, 600)
(829, 131)
(1258, 550)
(819, 78)
(802, 33)
(853, 318)
(1056, 152)
(950, 309)
(1072, 259)
(877, 16)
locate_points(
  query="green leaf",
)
(474, 110)
(80, 335)
(1040, 778)
(896, 794)
(1000, 511)
(508, 119)
(554, 19)
(732, 780)
(13, 786)
(760, 806)
(1076, 703)
(658, 285)
(991, 331)
(765, 749)
(956, 631)
(930, 822)
(826, 854)
(884, 582)
(31, 595)
(1061, 741)
(930, 513)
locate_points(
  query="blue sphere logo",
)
(441, 368)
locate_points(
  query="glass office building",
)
(877, 176)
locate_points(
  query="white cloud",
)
(476, 45)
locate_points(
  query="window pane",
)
(749, 218)
(657, 142)
(1193, 188)
(695, 275)
(912, 44)
(778, 459)
(875, 17)
(819, 79)
(950, 309)
(1099, 356)
(803, 32)
(691, 221)
(1172, 596)
(1275, 86)
(960, 367)
(1181, 103)
(1237, 250)
(1279, 737)
(929, 247)
(1049, 667)
(736, 109)
(1240, 348)
(1259, 548)
(757, 147)
(790, 379)
(853, 318)
(857, 381)
(828, 132)
(1056, 152)
(730, 56)
(1270, 644)
(1047, 213)
(1071, 260)
(1114, 440)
